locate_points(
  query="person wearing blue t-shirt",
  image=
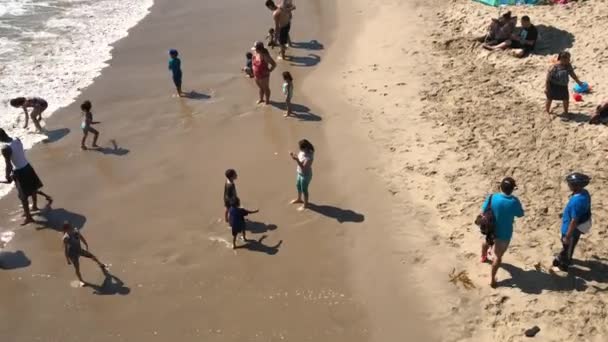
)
(505, 208)
(576, 212)
(175, 65)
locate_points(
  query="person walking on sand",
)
(261, 71)
(38, 106)
(86, 125)
(282, 23)
(175, 65)
(229, 190)
(304, 160)
(73, 250)
(19, 169)
(505, 207)
(556, 85)
(576, 218)
(237, 220)
(288, 91)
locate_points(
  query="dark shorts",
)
(75, 255)
(558, 92)
(27, 181)
(518, 45)
(89, 129)
(284, 34)
(237, 230)
(177, 80)
(42, 104)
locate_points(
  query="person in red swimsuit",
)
(261, 70)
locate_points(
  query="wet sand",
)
(151, 206)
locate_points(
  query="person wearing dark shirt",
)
(175, 65)
(237, 220)
(601, 113)
(522, 43)
(229, 190)
(73, 250)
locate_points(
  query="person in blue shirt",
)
(236, 217)
(505, 208)
(576, 212)
(175, 65)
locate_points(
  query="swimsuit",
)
(260, 67)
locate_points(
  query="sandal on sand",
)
(532, 331)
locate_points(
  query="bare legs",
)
(84, 137)
(566, 104)
(264, 90)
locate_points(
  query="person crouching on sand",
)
(175, 65)
(38, 106)
(576, 218)
(505, 208)
(229, 190)
(237, 220)
(556, 85)
(87, 121)
(288, 91)
(73, 250)
(304, 160)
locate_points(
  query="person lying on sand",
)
(499, 30)
(505, 208)
(521, 44)
(73, 250)
(601, 113)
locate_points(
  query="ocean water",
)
(55, 48)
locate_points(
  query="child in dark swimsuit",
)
(237, 220)
(86, 125)
(229, 190)
(73, 250)
(175, 65)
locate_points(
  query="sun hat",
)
(577, 178)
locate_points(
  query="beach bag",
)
(485, 220)
(585, 226)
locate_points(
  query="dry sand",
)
(151, 205)
(479, 118)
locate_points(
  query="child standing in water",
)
(87, 121)
(229, 190)
(175, 65)
(248, 68)
(73, 250)
(288, 91)
(270, 39)
(237, 220)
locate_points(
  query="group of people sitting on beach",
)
(502, 35)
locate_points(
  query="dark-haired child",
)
(270, 39)
(38, 106)
(288, 91)
(237, 220)
(86, 125)
(248, 68)
(175, 65)
(229, 190)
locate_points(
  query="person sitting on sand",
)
(261, 70)
(38, 106)
(19, 169)
(237, 220)
(73, 250)
(556, 85)
(522, 43)
(499, 30)
(505, 208)
(601, 113)
(86, 125)
(576, 218)
(229, 190)
(304, 160)
(175, 65)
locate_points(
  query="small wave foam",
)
(54, 49)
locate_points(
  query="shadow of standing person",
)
(259, 246)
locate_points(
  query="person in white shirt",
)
(304, 161)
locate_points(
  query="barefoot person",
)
(288, 91)
(19, 169)
(304, 161)
(175, 65)
(505, 208)
(261, 70)
(558, 77)
(601, 113)
(73, 250)
(229, 190)
(38, 106)
(522, 43)
(576, 218)
(282, 22)
(237, 220)
(86, 125)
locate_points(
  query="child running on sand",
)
(288, 91)
(175, 65)
(73, 250)
(87, 121)
(237, 220)
(229, 190)
(248, 68)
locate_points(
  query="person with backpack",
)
(558, 78)
(501, 209)
(576, 218)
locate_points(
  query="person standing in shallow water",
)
(86, 125)
(261, 71)
(19, 169)
(73, 250)
(304, 160)
(505, 208)
(175, 65)
(229, 191)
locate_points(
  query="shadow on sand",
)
(259, 246)
(54, 219)
(112, 285)
(300, 112)
(552, 40)
(195, 95)
(260, 227)
(114, 150)
(304, 61)
(310, 45)
(13, 260)
(55, 135)
(575, 117)
(340, 215)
